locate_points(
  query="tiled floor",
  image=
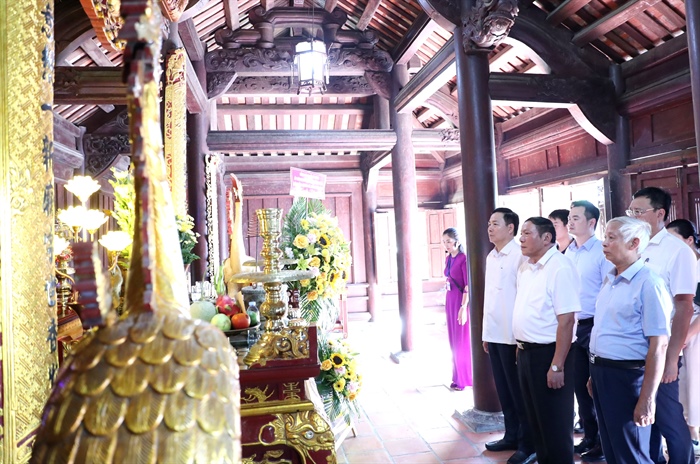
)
(408, 407)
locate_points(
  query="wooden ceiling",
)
(619, 30)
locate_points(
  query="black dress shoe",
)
(585, 445)
(578, 427)
(501, 445)
(595, 454)
(520, 457)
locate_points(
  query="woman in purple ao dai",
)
(457, 310)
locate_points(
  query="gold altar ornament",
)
(154, 385)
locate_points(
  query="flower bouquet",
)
(339, 383)
(314, 241)
(188, 238)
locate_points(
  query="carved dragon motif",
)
(488, 23)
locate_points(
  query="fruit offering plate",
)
(233, 332)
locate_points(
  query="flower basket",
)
(312, 238)
(339, 382)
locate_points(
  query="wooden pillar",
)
(692, 19)
(197, 125)
(618, 191)
(479, 184)
(369, 207)
(224, 239)
(403, 174)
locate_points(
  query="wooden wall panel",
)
(666, 130)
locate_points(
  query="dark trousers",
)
(505, 375)
(615, 393)
(550, 412)
(586, 409)
(670, 422)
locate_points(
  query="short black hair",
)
(510, 217)
(561, 214)
(659, 198)
(543, 226)
(589, 210)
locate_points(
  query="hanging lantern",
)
(311, 66)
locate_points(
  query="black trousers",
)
(550, 412)
(670, 422)
(586, 408)
(505, 376)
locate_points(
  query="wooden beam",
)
(422, 28)
(445, 105)
(502, 58)
(424, 140)
(231, 14)
(330, 5)
(95, 53)
(564, 10)
(267, 110)
(197, 101)
(436, 73)
(656, 56)
(190, 40)
(89, 86)
(524, 118)
(368, 14)
(240, 164)
(611, 20)
(339, 86)
(267, 4)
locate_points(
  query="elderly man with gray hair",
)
(628, 344)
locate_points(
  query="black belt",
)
(532, 346)
(598, 361)
(587, 321)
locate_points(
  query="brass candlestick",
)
(277, 340)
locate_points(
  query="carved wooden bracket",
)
(380, 83)
(102, 150)
(488, 23)
(106, 20)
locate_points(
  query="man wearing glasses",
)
(675, 263)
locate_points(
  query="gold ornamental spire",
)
(154, 386)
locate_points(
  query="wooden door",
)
(436, 222)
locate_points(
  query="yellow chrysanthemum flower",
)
(326, 254)
(305, 282)
(326, 365)
(312, 295)
(352, 396)
(300, 241)
(304, 223)
(324, 240)
(337, 359)
(315, 262)
(339, 385)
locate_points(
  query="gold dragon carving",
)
(304, 431)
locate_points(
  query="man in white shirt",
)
(546, 301)
(502, 265)
(675, 263)
(586, 251)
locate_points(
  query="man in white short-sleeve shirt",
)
(502, 265)
(675, 263)
(546, 301)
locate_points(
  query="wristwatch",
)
(556, 368)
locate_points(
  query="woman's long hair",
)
(452, 233)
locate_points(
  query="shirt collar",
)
(586, 246)
(546, 257)
(660, 235)
(629, 273)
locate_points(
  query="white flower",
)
(340, 370)
(288, 251)
(312, 237)
(352, 387)
(314, 271)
